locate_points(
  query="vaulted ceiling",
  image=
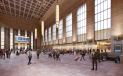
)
(14, 12)
(66, 7)
(28, 9)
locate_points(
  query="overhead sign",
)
(22, 39)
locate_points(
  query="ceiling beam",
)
(29, 9)
(4, 6)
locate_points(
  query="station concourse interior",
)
(61, 37)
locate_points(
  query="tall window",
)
(2, 37)
(50, 34)
(60, 32)
(54, 32)
(19, 34)
(36, 33)
(102, 18)
(26, 37)
(81, 23)
(46, 36)
(32, 40)
(69, 25)
(11, 38)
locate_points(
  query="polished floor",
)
(17, 66)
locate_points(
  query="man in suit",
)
(94, 60)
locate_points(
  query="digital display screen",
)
(118, 48)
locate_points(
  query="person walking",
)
(77, 55)
(29, 57)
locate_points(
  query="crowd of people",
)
(96, 55)
(5, 53)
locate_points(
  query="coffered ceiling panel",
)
(28, 9)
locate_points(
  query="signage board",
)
(22, 39)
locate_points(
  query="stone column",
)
(90, 20)
(117, 24)
(74, 25)
(64, 30)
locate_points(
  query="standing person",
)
(29, 57)
(94, 60)
(38, 53)
(117, 57)
(98, 55)
(9, 53)
(101, 55)
(54, 54)
(50, 55)
(58, 55)
(1, 53)
(82, 55)
(17, 53)
(4, 53)
(105, 55)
